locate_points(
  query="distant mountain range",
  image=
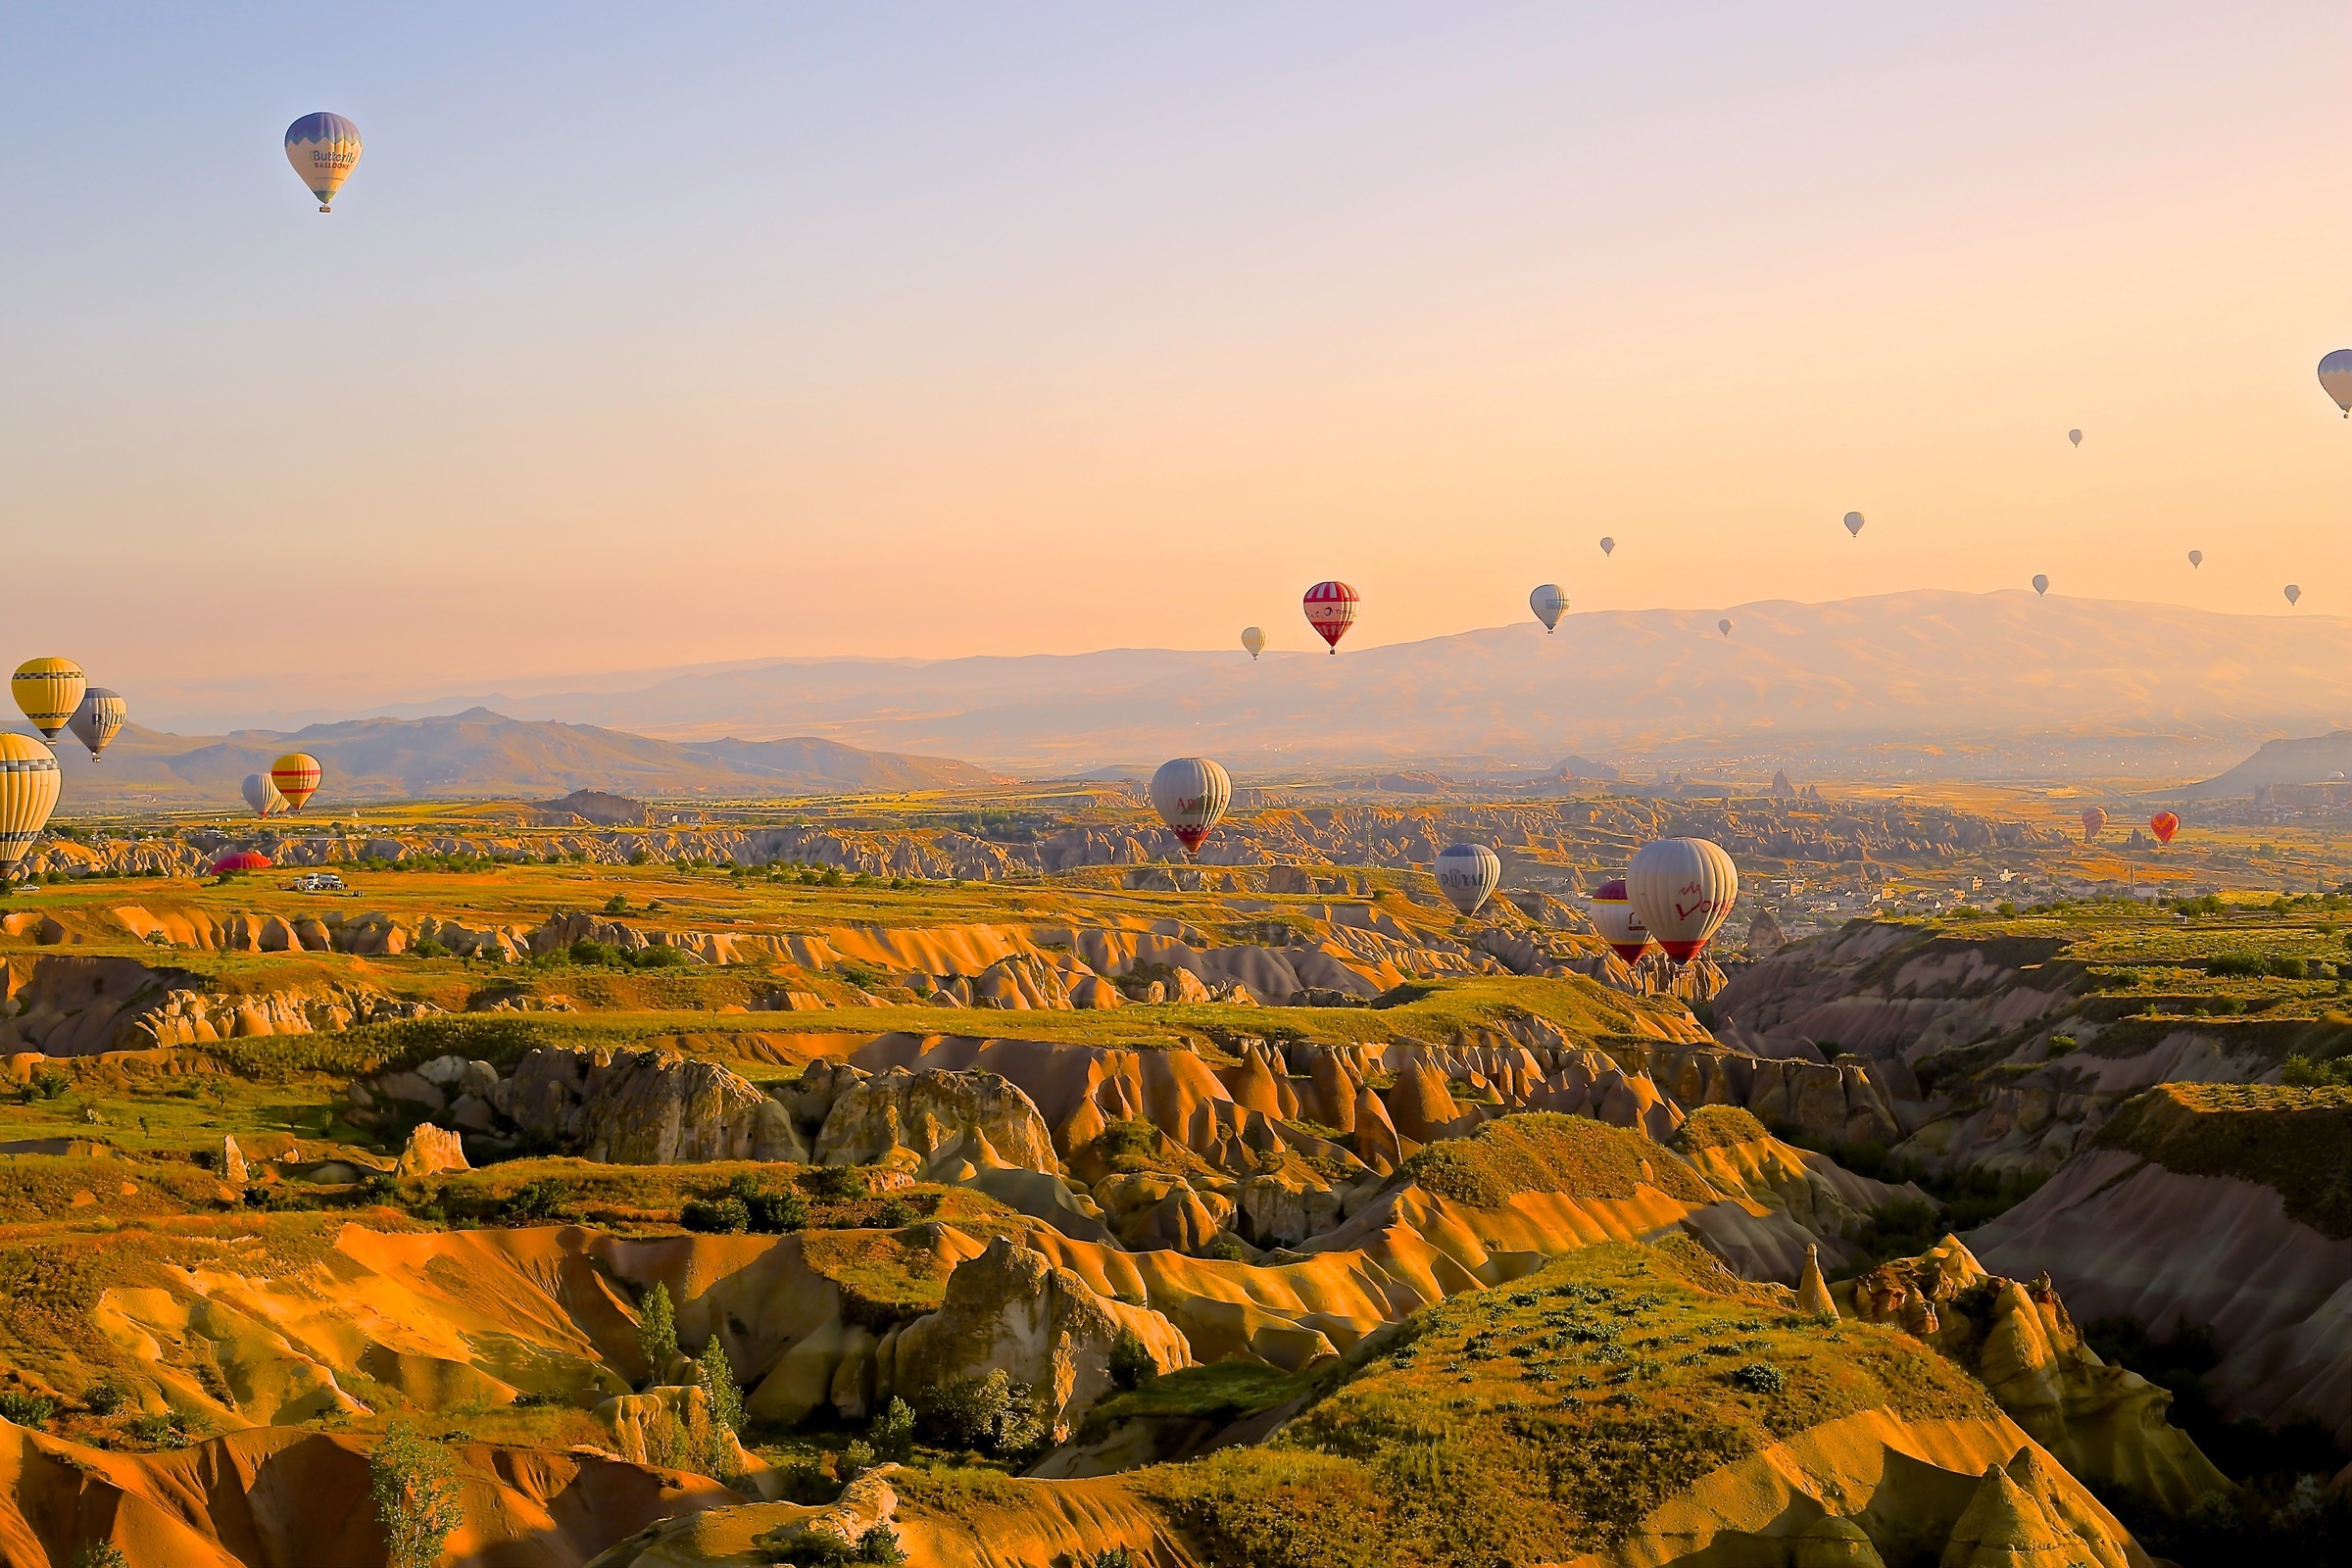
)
(1950, 682)
(2315, 760)
(479, 754)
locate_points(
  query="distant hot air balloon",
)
(49, 690)
(1190, 794)
(324, 149)
(1613, 916)
(2336, 376)
(2093, 820)
(2164, 825)
(2293, 593)
(296, 775)
(1255, 640)
(2076, 436)
(1467, 874)
(262, 796)
(1724, 625)
(1682, 889)
(97, 719)
(1853, 525)
(1608, 546)
(236, 860)
(29, 781)
(2196, 558)
(2042, 584)
(1331, 611)
(1547, 602)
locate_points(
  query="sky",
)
(647, 336)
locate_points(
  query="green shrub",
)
(103, 1399)
(25, 1409)
(414, 1486)
(720, 1217)
(429, 949)
(1759, 1377)
(837, 1183)
(892, 1434)
(1132, 1364)
(1226, 1249)
(896, 1213)
(993, 1414)
(100, 1555)
(856, 1459)
(541, 1202)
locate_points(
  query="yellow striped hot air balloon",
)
(29, 781)
(49, 690)
(296, 775)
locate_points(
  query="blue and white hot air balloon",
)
(324, 149)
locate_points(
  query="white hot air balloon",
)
(2196, 558)
(1853, 525)
(2076, 436)
(1190, 794)
(1724, 625)
(2336, 376)
(1611, 909)
(1547, 602)
(1467, 874)
(1608, 546)
(1253, 638)
(2293, 593)
(1682, 890)
(262, 796)
(98, 719)
(2041, 583)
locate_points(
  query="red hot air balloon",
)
(1331, 611)
(1612, 912)
(240, 860)
(2164, 825)
(2093, 819)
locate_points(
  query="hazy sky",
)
(648, 336)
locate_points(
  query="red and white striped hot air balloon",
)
(1613, 916)
(1682, 889)
(1331, 611)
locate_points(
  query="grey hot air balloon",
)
(1547, 602)
(1467, 874)
(1853, 523)
(1724, 625)
(2042, 584)
(2293, 593)
(2076, 436)
(262, 796)
(2336, 376)
(1608, 546)
(2196, 558)
(97, 719)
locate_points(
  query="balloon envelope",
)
(2293, 593)
(324, 149)
(29, 781)
(97, 720)
(238, 860)
(48, 690)
(2042, 584)
(1467, 874)
(1253, 639)
(296, 775)
(262, 796)
(1724, 625)
(1612, 910)
(1331, 609)
(2164, 825)
(1853, 523)
(1547, 602)
(1608, 546)
(2076, 436)
(2196, 558)
(2093, 819)
(2336, 376)
(1682, 889)
(1190, 794)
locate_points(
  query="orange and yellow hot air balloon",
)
(49, 690)
(29, 781)
(2164, 825)
(296, 775)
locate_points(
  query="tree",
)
(658, 1333)
(716, 1374)
(413, 1485)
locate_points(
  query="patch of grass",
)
(1541, 1151)
(1224, 1392)
(2295, 1141)
(1718, 1127)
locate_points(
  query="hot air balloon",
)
(2336, 376)
(1547, 602)
(236, 860)
(29, 781)
(296, 775)
(2164, 825)
(262, 796)
(1467, 874)
(324, 149)
(48, 690)
(1724, 625)
(1190, 794)
(1331, 611)
(2293, 593)
(2076, 436)
(2042, 584)
(1608, 546)
(1682, 889)
(2196, 558)
(97, 719)
(2093, 819)
(1613, 916)
(1255, 640)
(1853, 525)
